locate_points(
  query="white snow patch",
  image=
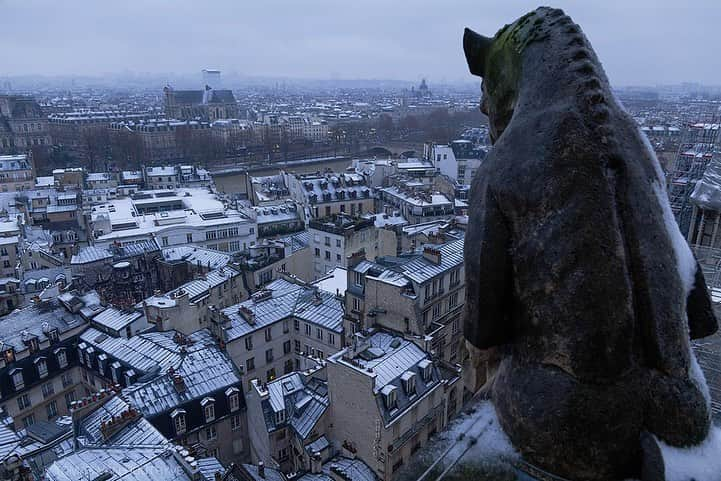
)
(492, 443)
(656, 164)
(696, 375)
(685, 261)
(698, 463)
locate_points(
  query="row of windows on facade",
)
(223, 233)
(338, 257)
(328, 211)
(307, 350)
(319, 334)
(437, 286)
(208, 404)
(437, 309)
(41, 366)
(8, 143)
(48, 390)
(51, 410)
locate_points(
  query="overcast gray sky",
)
(639, 41)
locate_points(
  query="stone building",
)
(269, 260)
(124, 275)
(334, 239)
(162, 140)
(209, 104)
(180, 264)
(173, 217)
(185, 386)
(187, 308)
(330, 193)
(387, 399)
(279, 218)
(417, 205)
(459, 161)
(85, 134)
(420, 295)
(39, 367)
(23, 125)
(10, 240)
(278, 329)
(286, 416)
(16, 173)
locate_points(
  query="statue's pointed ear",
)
(476, 48)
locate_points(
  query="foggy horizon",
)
(639, 43)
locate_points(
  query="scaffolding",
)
(699, 143)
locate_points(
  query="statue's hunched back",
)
(576, 270)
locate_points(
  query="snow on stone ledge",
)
(697, 463)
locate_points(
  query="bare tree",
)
(95, 142)
(127, 149)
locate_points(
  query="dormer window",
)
(208, 404)
(81, 349)
(34, 344)
(89, 357)
(115, 371)
(62, 357)
(102, 361)
(280, 417)
(129, 377)
(233, 394)
(178, 417)
(409, 383)
(426, 367)
(390, 395)
(42, 366)
(18, 380)
(53, 335)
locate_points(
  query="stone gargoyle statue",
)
(576, 272)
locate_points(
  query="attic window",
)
(42, 366)
(81, 347)
(409, 383)
(233, 398)
(18, 380)
(208, 404)
(391, 397)
(115, 371)
(178, 417)
(129, 377)
(53, 335)
(426, 367)
(62, 357)
(102, 360)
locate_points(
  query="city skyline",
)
(355, 41)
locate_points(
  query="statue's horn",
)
(476, 48)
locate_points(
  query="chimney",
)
(179, 383)
(248, 314)
(432, 254)
(315, 463)
(356, 258)
(261, 469)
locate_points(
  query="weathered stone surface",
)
(575, 269)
